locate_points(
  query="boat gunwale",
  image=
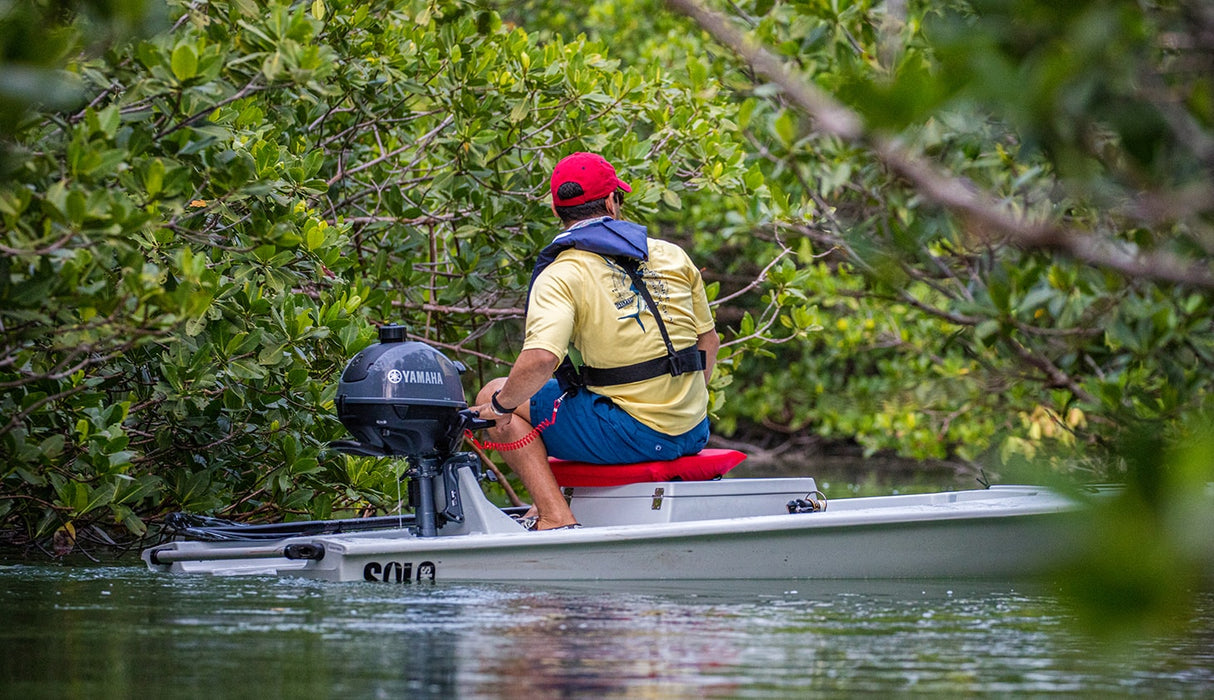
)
(358, 544)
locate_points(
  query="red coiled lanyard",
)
(524, 440)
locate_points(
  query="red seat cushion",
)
(702, 466)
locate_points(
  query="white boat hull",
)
(673, 531)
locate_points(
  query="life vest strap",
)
(690, 359)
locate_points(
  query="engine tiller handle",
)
(471, 421)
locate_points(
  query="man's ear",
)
(613, 207)
(553, 205)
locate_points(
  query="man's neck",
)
(585, 222)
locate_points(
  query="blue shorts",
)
(591, 428)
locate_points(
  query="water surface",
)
(101, 632)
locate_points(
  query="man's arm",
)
(709, 342)
(530, 372)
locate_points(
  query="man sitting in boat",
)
(642, 394)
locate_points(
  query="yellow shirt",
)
(587, 299)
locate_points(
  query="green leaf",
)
(520, 111)
(108, 121)
(184, 62)
(244, 369)
(314, 238)
(271, 67)
(133, 523)
(153, 178)
(271, 356)
(248, 8)
(785, 127)
(745, 111)
(98, 497)
(747, 325)
(52, 447)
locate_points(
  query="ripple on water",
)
(124, 629)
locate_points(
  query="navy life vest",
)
(611, 238)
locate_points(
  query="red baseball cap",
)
(592, 172)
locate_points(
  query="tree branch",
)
(980, 208)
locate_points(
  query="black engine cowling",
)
(403, 398)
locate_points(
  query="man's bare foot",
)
(545, 524)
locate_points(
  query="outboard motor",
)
(404, 399)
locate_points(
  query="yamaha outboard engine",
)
(404, 399)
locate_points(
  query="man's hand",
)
(487, 411)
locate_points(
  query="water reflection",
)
(121, 632)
